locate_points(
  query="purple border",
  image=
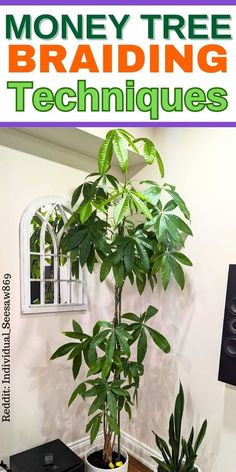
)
(118, 2)
(136, 124)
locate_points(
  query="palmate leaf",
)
(77, 361)
(90, 424)
(159, 340)
(63, 350)
(76, 195)
(110, 348)
(76, 327)
(140, 205)
(85, 211)
(129, 256)
(142, 347)
(105, 153)
(99, 338)
(165, 272)
(105, 268)
(121, 209)
(113, 425)
(160, 164)
(95, 428)
(179, 202)
(121, 151)
(180, 224)
(119, 273)
(142, 254)
(177, 271)
(182, 258)
(98, 403)
(151, 311)
(112, 404)
(149, 151)
(80, 390)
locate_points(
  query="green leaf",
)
(179, 202)
(182, 258)
(106, 369)
(121, 151)
(85, 211)
(159, 340)
(119, 275)
(128, 410)
(85, 249)
(77, 361)
(76, 327)
(98, 403)
(200, 436)
(95, 428)
(151, 311)
(97, 366)
(129, 257)
(165, 272)
(153, 194)
(80, 390)
(105, 154)
(121, 209)
(149, 152)
(110, 348)
(63, 350)
(177, 271)
(170, 206)
(76, 195)
(75, 335)
(142, 347)
(141, 206)
(160, 164)
(90, 424)
(113, 425)
(112, 404)
(123, 343)
(178, 413)
(131, 316)
(180, 224)
(105, 268)
(173, 231)
(99, 338)
(143, 255)
(162, 464)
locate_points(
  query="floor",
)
(135, 466)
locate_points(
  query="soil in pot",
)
(96, 459)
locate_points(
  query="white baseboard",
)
(134, 447)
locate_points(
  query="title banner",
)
(92, 64)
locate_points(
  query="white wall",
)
(201, 163)
(40, 388)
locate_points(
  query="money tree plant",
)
(135, 232)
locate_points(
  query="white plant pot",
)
(90, 468)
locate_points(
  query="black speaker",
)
(50, 457)
(227, 369)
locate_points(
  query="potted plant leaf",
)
(180, 455)
(136, 236)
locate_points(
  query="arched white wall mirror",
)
(50, 280)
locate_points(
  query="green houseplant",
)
(181, 454)
(137, 235)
